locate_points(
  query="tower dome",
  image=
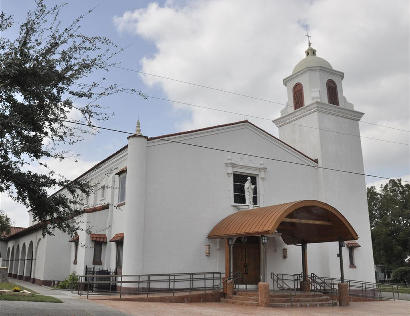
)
(311, 60)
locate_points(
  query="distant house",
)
(229, 198)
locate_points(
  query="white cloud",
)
(378, 183)
(249, 47)
(70, 168)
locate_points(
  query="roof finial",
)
(308, 36)
(138, 129)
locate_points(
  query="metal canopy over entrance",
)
(307, 221)
(299, 223)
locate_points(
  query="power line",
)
(244, 154)
(386, 126)
(236, 93)
(99, 127)
(145, 96)
(201, 86)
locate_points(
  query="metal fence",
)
(394, 288)
(292, 282)
(89, 284)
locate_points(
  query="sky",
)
(245, 47)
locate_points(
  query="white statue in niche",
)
(249, 188)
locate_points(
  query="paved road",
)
(72, 305)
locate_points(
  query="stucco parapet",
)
(318, 107)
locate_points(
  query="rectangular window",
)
(75, 252)
(239, 180)
(102, 192)
(121, 192)
(97, 253)
(351, 257)
(118, 260)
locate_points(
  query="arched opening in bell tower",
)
(298, 99)
(332, 96)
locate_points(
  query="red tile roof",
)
(99, 237)
(352, 244)
(117, 237)
(13, 230)
(96, 208)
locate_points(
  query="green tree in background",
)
(48, 71)
(389, 212)
(5, 224)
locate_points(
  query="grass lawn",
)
(400, 289)
(33, 297)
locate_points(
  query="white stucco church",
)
(228, 198)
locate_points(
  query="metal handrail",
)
(356, 287)
(291, 282)
(152, 283)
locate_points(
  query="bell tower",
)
(320, 122)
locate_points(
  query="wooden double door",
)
(246, 259)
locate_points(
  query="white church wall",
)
(189, 191)
(347, 192)
(57, 254)
(40, 258)
(3, 253)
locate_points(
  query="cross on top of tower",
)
(308, 37)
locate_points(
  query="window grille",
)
(239, 180)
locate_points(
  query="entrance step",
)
(303, 304)
(291, 299)
(239, 302)
(247, 293)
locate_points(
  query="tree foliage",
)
(389, 211)
(47, 72)
(5, 224)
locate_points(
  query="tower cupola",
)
(311, 60)
(313, 79)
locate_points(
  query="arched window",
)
(298, 100)
(332, 96)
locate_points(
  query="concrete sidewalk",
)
(72, 304)
(397, 296)
(381, 308)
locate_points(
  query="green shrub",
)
(401, 274)
(70, 282)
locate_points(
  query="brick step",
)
(300, 299)
(307, 294)
(239, 302)
(247, 294)
(245, 298)
(303, 304)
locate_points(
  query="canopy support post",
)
(340, 255)
(305, 284)
(263, 244)
(230, 243)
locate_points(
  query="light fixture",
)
(264, 239)
(207, 250)
(285, 253)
